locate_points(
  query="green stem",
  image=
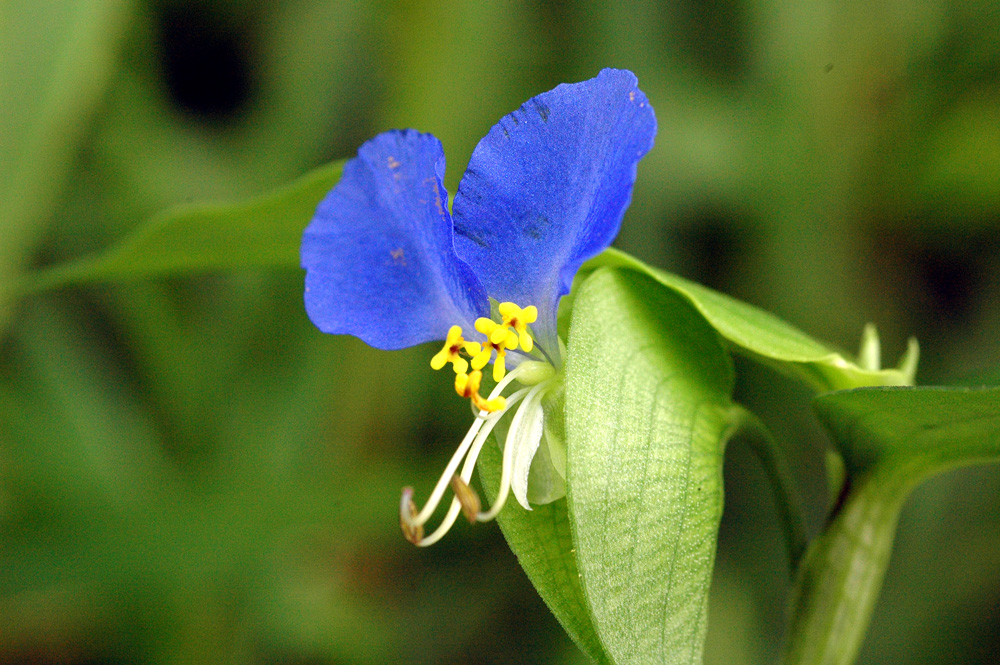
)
(786, 497)
(841, 575)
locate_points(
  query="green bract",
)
(767, 338)
(892, 439)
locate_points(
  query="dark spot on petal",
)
(465, 233)
(505, 132)
(536, 229)
(543, 110)
(513, 116)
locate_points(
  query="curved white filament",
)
(466, 475)
(508, 452)
(469, 450)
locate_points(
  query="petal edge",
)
(547, 188)
(379, 253)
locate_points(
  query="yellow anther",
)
(499, 366)
(492, 330)
(467, 385)
(519, 319)
(449, 353)
(497, 333)
(501, 338)
(490, 405)
(480, 359)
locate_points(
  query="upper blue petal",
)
(546, 189)
(379, 254)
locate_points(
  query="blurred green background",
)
(190, 472)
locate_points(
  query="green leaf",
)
(265, 231)
(542, 542)
(56, 60)
(892, 439)
(933, 427)
(767, 338)
(647, 415)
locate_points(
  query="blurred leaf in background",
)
(189, 472)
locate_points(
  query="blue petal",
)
(546, 189)
(380, 255)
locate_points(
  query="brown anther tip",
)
(414, 534)
(467, 498)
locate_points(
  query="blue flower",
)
(545, 190)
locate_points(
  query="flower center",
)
(536, 375)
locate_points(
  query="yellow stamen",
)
(499, 365)
(489, 405)
(467, 385)
(480, 359)
(500, 337)
(519, 319)
(497, 333)
(449, 353)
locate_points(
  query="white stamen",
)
(499, 388)
(508, 452)
(470, 463)
(506, 381)
(470, 449)
(449, 471)
(446, 525)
